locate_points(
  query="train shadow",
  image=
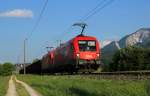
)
(71, 91)
(42, 86)
(81, 92)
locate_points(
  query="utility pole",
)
(16, 67)
(25, 56)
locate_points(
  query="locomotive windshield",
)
(85, 45)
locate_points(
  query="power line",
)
(39, 18)
(101, 5)
(34, 28)
(24, 67)
(96, 9)
(70, 27)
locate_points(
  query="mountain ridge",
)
(140, 38)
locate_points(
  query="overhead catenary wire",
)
(100, 6)
(70, 27)
(97, 9)
(33, 29)
(38, 19)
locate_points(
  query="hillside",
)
(140, 38)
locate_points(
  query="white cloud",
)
(24, 13)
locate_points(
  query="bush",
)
(131, 58)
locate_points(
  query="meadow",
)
(78, 86)
(3, 85)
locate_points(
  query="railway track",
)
(122, 75)
(126, 75)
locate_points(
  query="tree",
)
(131, 58)
(6, 69)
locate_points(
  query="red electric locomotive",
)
(81, 53)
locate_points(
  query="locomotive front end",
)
(87, 53)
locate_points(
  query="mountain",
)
(109, 50)
(106, 42)
(140, 38)
(113, 46)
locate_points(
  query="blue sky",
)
(17, 18)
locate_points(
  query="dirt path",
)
(11, 89)
(29, 89)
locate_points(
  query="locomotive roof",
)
(76, 37)
(84, 36)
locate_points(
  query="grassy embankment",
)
(3, 85)
(77, 86)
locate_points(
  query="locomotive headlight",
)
(78, 55)
(97, 55)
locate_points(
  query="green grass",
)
(3, 85)
(21, 90)
(77, 86)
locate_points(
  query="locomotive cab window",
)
(85, 45)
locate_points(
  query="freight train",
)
(80, 54)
